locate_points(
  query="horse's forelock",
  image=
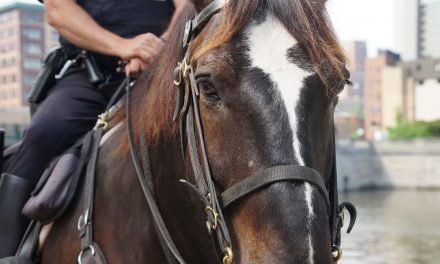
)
(306, 20)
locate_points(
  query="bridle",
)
(187, 113)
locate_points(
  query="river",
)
(393, 227)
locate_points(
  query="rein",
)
(188, 114)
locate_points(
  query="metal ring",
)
(338, 255)
(80, 256)
(85, 217)
(178, 73)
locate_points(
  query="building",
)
(392, 96)
(411, 90)
(406, 28)
(14, 122)
(356, 52)
(417, 28)
(23, 38)
(349, 112)
(373, 92)
(421, 89)
(430, 28)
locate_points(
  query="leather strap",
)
(336, 209)
(194, 26)
(160, 226)
(29, 245)
(85, 225)
(202, 18)
(291, 173)
(117, 94)
(335, 221)
(90, 251)
(213, 208)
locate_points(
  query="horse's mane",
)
(306, 20)
(156, 82)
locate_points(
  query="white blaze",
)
(308, 194)
(268, 47)
(269, 43)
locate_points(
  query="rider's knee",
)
(40, 136)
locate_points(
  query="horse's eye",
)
(208, 90)
(342, 86)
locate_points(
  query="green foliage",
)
(405, 130)
(355, 136)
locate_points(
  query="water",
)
(394, 227)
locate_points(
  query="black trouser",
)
(69, 111)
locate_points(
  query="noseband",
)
(187, 113)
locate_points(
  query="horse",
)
(268, 73)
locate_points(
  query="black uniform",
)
(71, 107)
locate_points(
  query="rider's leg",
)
(69, 111)
(13, 194)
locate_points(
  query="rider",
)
(111, 30)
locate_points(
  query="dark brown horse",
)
(268, 73)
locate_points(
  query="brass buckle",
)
(215, 215)
(229, 256)
(102, 121)
(186, 68)
(181, 71)
(341, 216)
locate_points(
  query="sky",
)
(367, 20)
(26, 1)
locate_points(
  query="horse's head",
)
(268, 73)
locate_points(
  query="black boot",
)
(14, 192)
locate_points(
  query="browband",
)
(194, 26)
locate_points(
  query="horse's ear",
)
(200, 4)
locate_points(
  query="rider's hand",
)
(144, 46)
(135, 66)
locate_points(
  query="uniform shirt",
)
(126, 18)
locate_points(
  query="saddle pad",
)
(43, 205)
(55, 189)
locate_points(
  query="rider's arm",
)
(135, 65)
(79, 28)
